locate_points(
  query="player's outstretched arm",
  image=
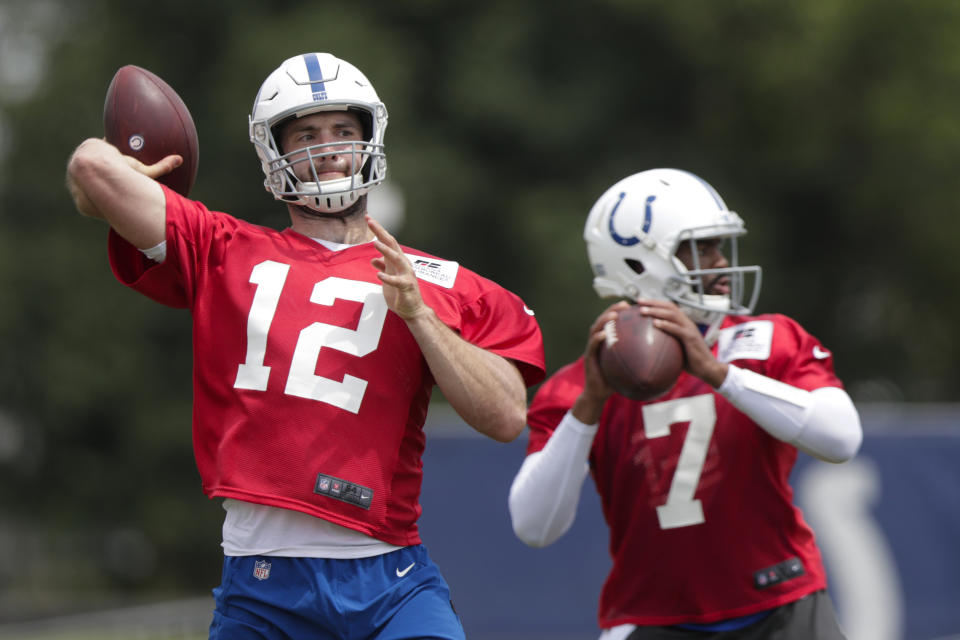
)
(487, 390)
(107, 185)
(823, 423)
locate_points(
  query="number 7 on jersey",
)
(681, 509)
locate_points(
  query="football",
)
(637, 359)
(145, 118)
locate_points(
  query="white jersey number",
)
(681, 509)
(347, 394)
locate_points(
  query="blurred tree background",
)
(831, 126)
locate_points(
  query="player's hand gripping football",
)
(589, 405)
(699, 359)
(401, 289)
(160, 168)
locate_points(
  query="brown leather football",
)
(145, 118)
(637, 359)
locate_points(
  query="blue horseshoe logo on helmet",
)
(647, 220)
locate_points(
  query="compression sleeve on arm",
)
(823, 423)
(545, 492)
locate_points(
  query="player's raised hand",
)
(394, 270)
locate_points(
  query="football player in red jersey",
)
(704, 535)
(315, 351)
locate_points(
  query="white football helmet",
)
(303, 85)
(633, 233)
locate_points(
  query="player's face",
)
(329, 127)
(709, 256)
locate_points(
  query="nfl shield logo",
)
(261, 569)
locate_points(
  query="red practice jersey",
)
(309, 394)
(695, 494)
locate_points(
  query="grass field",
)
(186, 619)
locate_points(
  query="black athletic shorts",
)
(809, 618)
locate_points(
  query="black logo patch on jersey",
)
(344, 491)
(781, 572)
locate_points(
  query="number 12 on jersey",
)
(253, 374)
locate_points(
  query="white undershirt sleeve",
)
(157, 253)
(823, 423)
(545, 492)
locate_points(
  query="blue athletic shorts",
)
(394, 596)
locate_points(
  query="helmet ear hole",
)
(635, 265)
(366, 121)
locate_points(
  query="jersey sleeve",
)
(551, 402)
(484, 314)
(777, 346)
(157, 281)
(799, 359)
(189, 230)
(501, 323)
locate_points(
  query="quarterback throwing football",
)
(315, 352)
(704, 535)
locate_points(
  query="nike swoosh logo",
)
(400, 574)
(819, 353)
(527, 310)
